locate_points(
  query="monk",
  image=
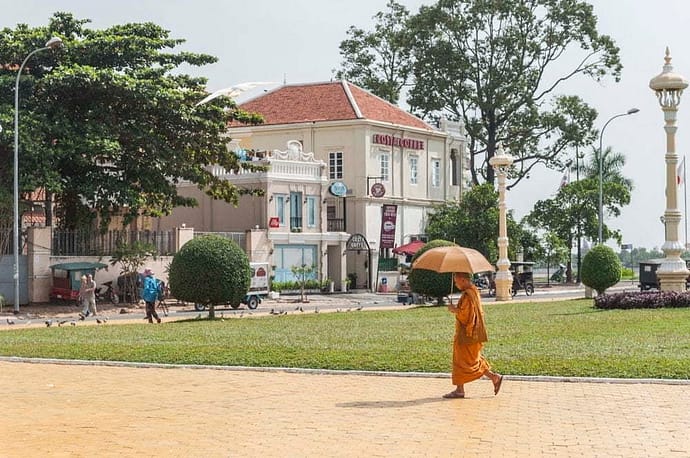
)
(470, 335)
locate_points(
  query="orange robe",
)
(468, 362)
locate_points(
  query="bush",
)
(646, 300)
(601, 268)
(428, 282)
(292, 286)
(627, 272)
(210, 270)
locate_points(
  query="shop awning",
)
(409, 249)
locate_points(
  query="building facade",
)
(372, 174)
(285, 225)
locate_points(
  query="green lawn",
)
(568, 338)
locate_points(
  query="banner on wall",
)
(388, 221)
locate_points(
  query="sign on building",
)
(388, 223)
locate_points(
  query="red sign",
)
(378, 190)
(274, 222)
(389, 215)
(383, 139)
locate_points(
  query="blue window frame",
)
(311, 211)
(280, 208)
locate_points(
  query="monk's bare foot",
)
(497, 383)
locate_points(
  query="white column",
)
(504, 279)
(668, 87)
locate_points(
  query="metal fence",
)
(7, 241)
(237, 237)
(96, 243)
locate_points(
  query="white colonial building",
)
(358, 178)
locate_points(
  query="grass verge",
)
(565, 338)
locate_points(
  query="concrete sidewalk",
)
(86, 409)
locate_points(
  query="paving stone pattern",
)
(89, 410)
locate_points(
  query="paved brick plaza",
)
(92, 410)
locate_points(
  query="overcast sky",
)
(297, 41)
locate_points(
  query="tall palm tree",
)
(611, 171)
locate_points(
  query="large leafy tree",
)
(473, 222)
(493, 64)
(498, 66)
(109, 124)
(379, 60)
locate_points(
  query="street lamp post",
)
(579, 217)
(53, 43)
(600, 239)
(668, 87)
(504, 279)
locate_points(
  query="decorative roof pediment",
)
(294, 152)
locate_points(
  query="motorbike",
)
(106, 293)
(481, 282)
(559, 275)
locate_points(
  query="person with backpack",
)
(150, 295)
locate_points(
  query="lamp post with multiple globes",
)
(501, 162)
(668, 87)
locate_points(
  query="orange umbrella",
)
(453, 259)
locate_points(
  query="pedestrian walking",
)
(87, 296)
(470, 335)
(150, 295)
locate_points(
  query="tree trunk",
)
(48, 206)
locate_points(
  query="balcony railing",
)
(295, 222)
(335, 225)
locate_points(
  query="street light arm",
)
(49, 45)
(601, 134)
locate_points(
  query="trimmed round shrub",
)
(428, 282)
(210, 270)
(601, 268)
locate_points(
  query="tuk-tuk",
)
(67, 278)
(523, 277)
(648, 278)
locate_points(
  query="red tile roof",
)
(332, 101)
